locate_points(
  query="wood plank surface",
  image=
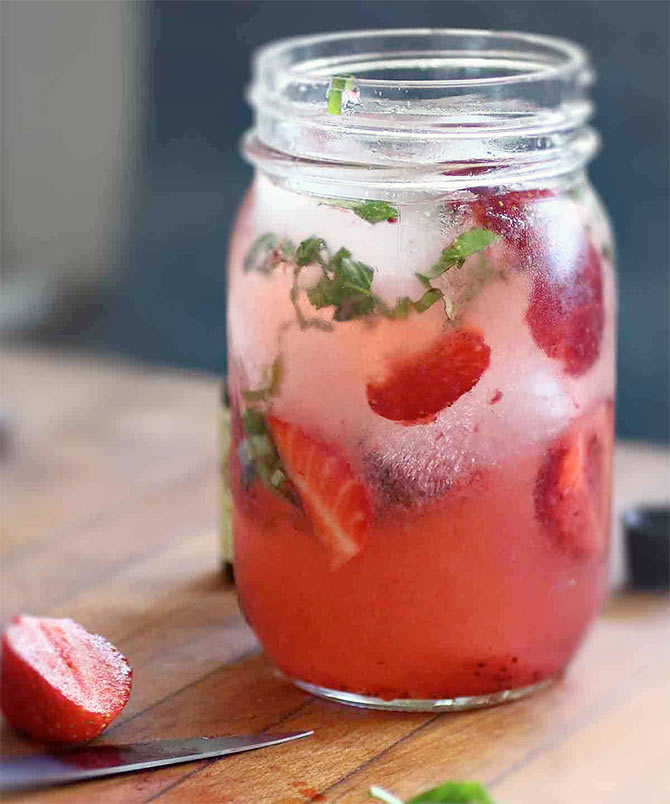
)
(109, 506)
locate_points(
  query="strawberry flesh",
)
(58, 682)
(566, 316)
(335, 500)
(572, 489)
(419, 387)
(507, 215)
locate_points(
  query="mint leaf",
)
(259, 456)
(338, 85)
(376, 211)
(272, 387)
(404, 306)
(253, 422)
(455, 254)
(266, 252)
(446, 793)
(311, 250)
(345, 285)
(370, 211)
(454, 793)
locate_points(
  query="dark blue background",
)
(169, 306)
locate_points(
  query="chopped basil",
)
(257, 452)
(266, 252)
(338, 85)
(346, 283)
(370, 211)
(455, 254)
(271, 389)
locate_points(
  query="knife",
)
(90, 762)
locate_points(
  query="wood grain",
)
(109, 505)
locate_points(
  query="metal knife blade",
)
(90, 762)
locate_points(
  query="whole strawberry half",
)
(58, 682)
(419, 386)
(572, 489)
(335, 500)
(566, 314)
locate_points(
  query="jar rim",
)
(570, 56)
(421, 96)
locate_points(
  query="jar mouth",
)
(422, 96)
(406, 58)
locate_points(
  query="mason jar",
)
(421, 331)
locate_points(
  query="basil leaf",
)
(266, 252)
(338, 85)
(454, 793)
(345, 285)
(311, 250)
(455, 254)
(273, 385)
(370, 211)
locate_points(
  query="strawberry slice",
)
(566, 314)
(336, 502)
(420, 386)
(572, 489)
(58, 682)
(507, 215)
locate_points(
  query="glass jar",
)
(421, 332)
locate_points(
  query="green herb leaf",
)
(446, 793)
(266, 252)
(272, 387)
(338, 85)
(376, 211)
(370, 211)
(311, 250)
(253, 422)
(259, 456)
(454, 793)
(455, 254)
(345, 285)
(404, 306)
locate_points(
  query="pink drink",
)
(422, 436)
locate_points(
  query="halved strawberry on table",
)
(572, 488)
(418, 386)
(335, 500)
(58, 682)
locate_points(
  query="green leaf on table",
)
(445, 793)
(338, 85)
(455, 254)
(370, 211)
(454, 793)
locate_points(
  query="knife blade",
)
(93, 761)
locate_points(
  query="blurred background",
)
(121, 174)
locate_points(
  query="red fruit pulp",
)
(566, 316)
(420, 385)
(464, 595)
(60, 683)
